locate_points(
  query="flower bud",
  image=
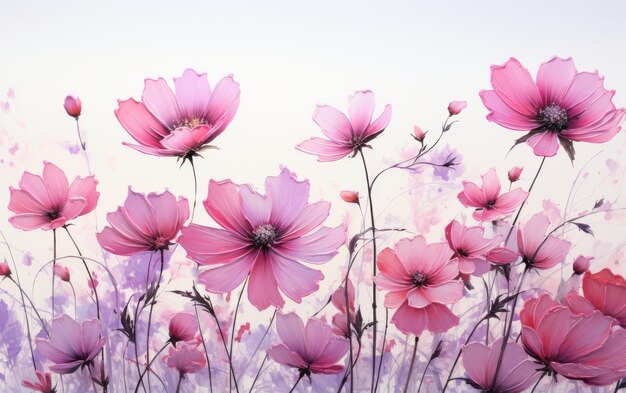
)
(5, 271)
(456, 107)
(350, 196)
(182, 327)
(581, 264)
(418, 134)
(62, 272)
(515, 173)
(72, 106)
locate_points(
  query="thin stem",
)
(424, 374)
(458, 355)
(83, 145)
(619, 383)
(74, 293)
(298, 381)
(382, 350)
(54, 263)
(135, 341)
(260, 341)
(408, 377)
(195, 188)
(206, 353)
(256, 377)
(140, 381)
(232, 332)
(93, 284)
(228, 354)
(25, 295)
(374, 311)
(30, 343)
(345, 377)
(180, 380)
(539, 380)
(152, 302)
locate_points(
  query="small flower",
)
(340, 320)
(515, 173)
(72, 106)
(345, 135)
(470, 247)
(72, 344)
(62, 272)
(581, 264)
(144, 223)
(350, 196)
(187, 359)
(502, 256)
(42, 385)
(418, 134)
(183, 327)
(487, 200)
(311, 349)
(561, 106)
(517, 373)
(456, 107)
(49, 202)
(5, 270)
(536, 250)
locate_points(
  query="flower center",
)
(264, 235)
(553, 117)
(53, 215)
(161, 243)
(356, 142)
(419, 279)
(462, 252)
(490, 204)
(190, 123)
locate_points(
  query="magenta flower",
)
(340, 320)
(311, 349)
(515, 173)
(350, 196)
(581, 264)
(487, 200)
(144, 223)
(5, 270)
(181, 123)
(517, 371)
(537, 251)
(562, 106)
(421, 280)
(71, 344)
(578, 346)
(49, 202)
(265, 237)
(62, 272)
(42, 385)
(606, 292)
(456, 107)
(345, 135)
(72, 106)
(470, 247)
(186, 359)
(183, 327)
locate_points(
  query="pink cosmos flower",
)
(144, 223)
(345, 135)
(311, 349)
(562, 106)
(487, 200)
(537, 251)
(583, 347)
(71, 344)
(179, 123)
(265, 237)
(42, 385)
(186, 359)
(517, 371)
(72, 106)
(456, 107)
(340, 320)
(49, 202)
(421, 280)
(470, 247)
(607, 293)
(183, 327)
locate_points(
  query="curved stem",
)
(345, 377)
(140, 381)
(93, 284)
(256, 377)
(408, 377)
(180, 380)
(458, 355)
(195, 188)
(152, 303)
(296, 384)
(74, 293)
(232, 332)
(206, 353)
(260, 342)
(30, 339)
(54, 263)
(83, 145)
(424, 374)
(228, 354)
(539, 380)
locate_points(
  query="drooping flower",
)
(536, 250)
(183, 327)
(515, 173)
(72, 106)
(179, 123)
(185, 358)
(265, 237)
(346, 135)
(62, 272)
(469, 247)
(49, 202)
(421, 280)
(585, 347)
(517, 371)
(581, 264)
(606, 291)
(340, 320)
(42, 385)
(456, 107)
(72, 344)
(561, 106)
(311, 349)
(487, 200)
(144, 223)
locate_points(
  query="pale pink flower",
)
(144, 223)
(186, 359)
(350, 196)
(502, 256)
(585, 347)
(581, 264)
(346, 135)
(515, 173)
(606, 291)
(42, 385)
(265, 237)
(340, 320)
(5, 270)
(536, 250)
(311, 349)
(470, 247)
(62, 272)
(179, 123)
(418, 134)
(72, 106)
(456, 107)
(487, 200)
(562, 106)
(183, 327)
(49, 202)
(421, 280)
(517, 371)
(71, 344)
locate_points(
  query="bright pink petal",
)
(224, 206)
(256, 207)
(514, 85)
(193, 94)
(447, 293)
(227, 277)
(317, 337)
(29, 221)
(310, 217)
(393, 299)
(554, 79)
(168, 219)
(291, 331)
(283, 355)
(379, 124)
(440, 318)
(544, 144)
(288, 196)
(334, 124)
(208, 246)
(35, 186)
(417, 298)
(56, 184)
(118, 244)
(334, 351)
(325, 150)
(490, 186)
(223, 104)
(390, 266)
(263, 288)
(360, 108)
(410, 320)
(293, 278)
(319, 247)
(509, 201)
(161, 102)
(500, 113)
(140, 123)
(85, 188)
(184, 139)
